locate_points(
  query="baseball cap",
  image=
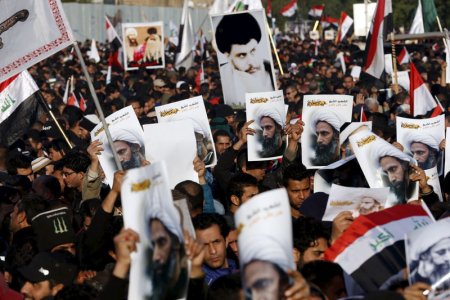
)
(57, 266)
(159, 83)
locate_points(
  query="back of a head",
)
(73, 114)
(225, 287)
(47, 187)
(32, 205)
(193, 192)
(17, 161)
(321, 272)
(306, 231)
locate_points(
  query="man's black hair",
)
(306, 231)
(238, 182)
(77, 161)
(225, 287)
(205, 221)
(295, 172)
(236, 29)
(193, 192)
(220, 132)
(18, 161)
(321, 272)
(73, 115)
(59, 145)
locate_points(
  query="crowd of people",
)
(62, 232)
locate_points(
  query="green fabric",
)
(429, 14)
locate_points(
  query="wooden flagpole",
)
(394, 64)
(274, 48)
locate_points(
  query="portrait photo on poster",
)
(385, 166)
(143, 45)
(244, 55)
(428, 257)
(267, 110)
(323, 116)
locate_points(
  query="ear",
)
(297, 255)
(21, 217)
(57, 288)
(235, 200)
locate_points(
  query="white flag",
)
(185, 56)
(417, 24)
(34, 30)
(93, 53)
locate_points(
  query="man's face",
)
(14, 223)
(421, 152)
(348, 83)
(249, 192)
(137, 108)
(257, 173)
(232, 239)
(315, 251)
(215, 255)
(128, 158)
(161, 242)
(71, 178)
(298, 191)
(36, 291)
(324, 133)
(268, 127)
(263, 280)
(439, 255)
(396, 174)
(271, 137)
(368, 205)
(223, 143)
(326, 148)
(245, 58)
(55, 155)
(291, 94)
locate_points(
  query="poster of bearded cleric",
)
(421, 138)
(244, 56)
(428, 259)
(385, 166)
(268, 113)
(323, 116)
(194, 111)
(159, 267)
(265, 244)
(128, 139)
(143, 45)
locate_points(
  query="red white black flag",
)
(377, 242)
(403, 56)
(381, 26)
(420, 99)
(316, 11)
(344, 25)
(289, 9)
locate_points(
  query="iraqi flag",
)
(344, 25)
(316, 11)
(18, 106)
(328, 21)
(403, 56)
(115, 45)
(376, 242)
(381, 26)
(420, 99)
(289, 9)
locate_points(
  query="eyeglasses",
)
(67, 174)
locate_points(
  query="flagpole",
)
(274, 48)
(45, 105)
(97, 106)
(394, 64)
(440, 29)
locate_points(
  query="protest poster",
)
(447, 152)
(192, 110)
(384, 165)
(244, 55)
(359, 201)
(143, 45)
(433, 180)
(159, 270)
(174, 143)
(265, 242)
(323, 116)
(421, 139)
(377, 242)
(128, 139)
(344, 172)
(30, 32)
(428, 259)
(268, 112)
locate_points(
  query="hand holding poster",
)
(428, 257)
(359, 201)
(128, 139)
(268, 113)
(143, 45)
(174, 143)
(421, 139)
(158, 271)
(192, 110)
(265, 243)
(244, 56)
(323, 116)
(385, 166)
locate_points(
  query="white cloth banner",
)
(34, 31)
(13, 92)
(174, 143)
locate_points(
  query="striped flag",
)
(363, 117)
(344, 25)
(328, 21)
(381, 25)
(316, 11)
(115, 43)
(420, 99)
(376, 242)
(289, 9)
(403, 56)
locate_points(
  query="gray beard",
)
(134, 162)
(429, 163)
(270, 146)
(326, 154)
